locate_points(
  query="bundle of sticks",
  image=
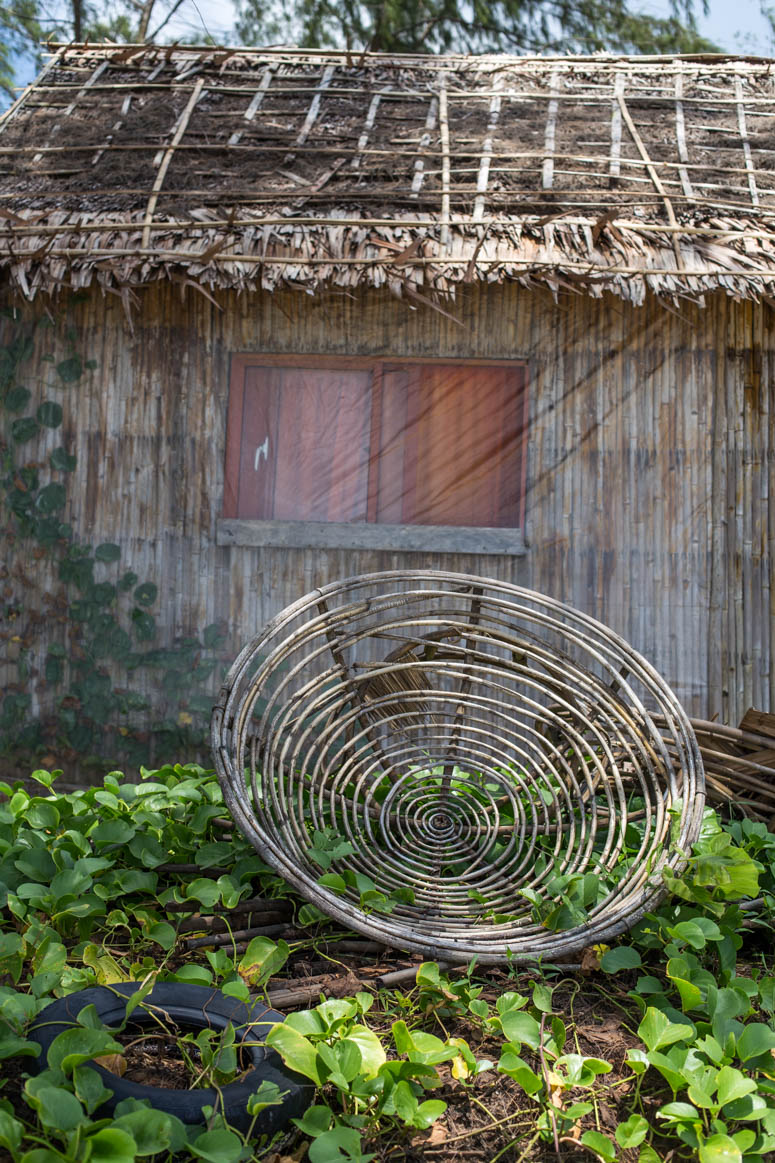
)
(739, 764)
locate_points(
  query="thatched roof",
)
(255, 168)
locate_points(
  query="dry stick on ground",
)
(331, 949)
(184, 869)
(345, 983)
(478, 1131)
(349, 981)
(220, 925)
(288, 983)
(255, 904)
(338, 945)
(240, 938)
(338, 987)
(345, 945)
(219, 939)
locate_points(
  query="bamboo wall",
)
(651, 436)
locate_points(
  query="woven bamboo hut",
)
(353, 312)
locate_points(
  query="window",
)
(375, 454)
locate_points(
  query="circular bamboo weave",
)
(458, 767)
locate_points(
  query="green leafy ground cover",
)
(660, 1048)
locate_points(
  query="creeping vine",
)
(76, 622)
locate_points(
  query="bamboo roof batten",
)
(487, 146)
(125, 107)
(457, 168)
(368, 154)
(547, 169)
(725, 232)
(255, 102)
(17, 106)
(461, 96)
(166, 158)
(744, 139)
(615, 163)
(425, 140)
(680, 137)
(314, 109)
(444, 136)
(636, 137)
(363, 139)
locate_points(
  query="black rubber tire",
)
(201, 1007)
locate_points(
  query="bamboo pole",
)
(486, 154)
(312, 112)
(763, 345)
(653, 174)
(744, 139)
(547, 169)
(706, 61)
(560, 263)
(680, 136)
(461, 95)
(167, 158)
(444, 130)
(255, 103)
(734, 734)
(394, 151)
(22, 227)
(615, 154)
(371, 117)
(596, 201)
(747, 491)
(419, 165)
(734, 639)
(23, 98)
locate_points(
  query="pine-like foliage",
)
(20, 32)
(520, 26)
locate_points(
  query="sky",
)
(735, 25)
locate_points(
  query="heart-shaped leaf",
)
(622, 957)
(720, 1149)
(656, 1030)
(733, 1084)
(632, 1132)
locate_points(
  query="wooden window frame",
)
(233, 530)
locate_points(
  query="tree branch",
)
(166, 19)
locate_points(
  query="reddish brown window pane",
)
(304, 449)
(450, 446)
(423, 444)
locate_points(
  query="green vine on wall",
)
(76, 625)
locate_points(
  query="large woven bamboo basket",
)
(458, 767)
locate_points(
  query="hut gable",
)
(255, 169)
